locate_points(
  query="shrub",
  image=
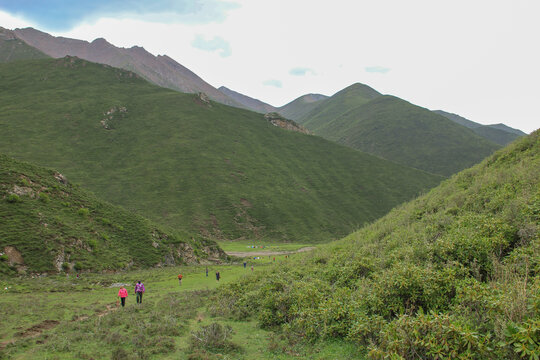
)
(213, 337)
(44, 197)
(65, 266)
(13, 198)
(119, 354)
(525, 338)
(83, 212)
(431, 336)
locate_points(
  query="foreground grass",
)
(88, 324)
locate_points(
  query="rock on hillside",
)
(279, 121)
(161, 69)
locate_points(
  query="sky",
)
(476, 58)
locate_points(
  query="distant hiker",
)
(218, 275)
(122, 293)
(245, 264)
(180, 279)
(207, 271)
(274, 259)
(139, 291)
(251, 267)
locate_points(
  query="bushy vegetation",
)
(56, 226)
(201, 168)
(397, 130)
(452, 274)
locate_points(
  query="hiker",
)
(180, 279)
(218, 275)
(252, 268)
(139, 291)
(245, 264)
(207, 271)
(122, 293)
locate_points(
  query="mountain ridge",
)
(387, 126)
(161, 70)
(498, 133)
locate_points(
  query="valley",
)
(351, 226)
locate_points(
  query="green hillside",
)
(452, 274)
(336, 105)
(397, 130)
(301, 106)
(13, 49)
(47, 224)
(498, 133)
(197, 166)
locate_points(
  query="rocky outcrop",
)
(279, 121)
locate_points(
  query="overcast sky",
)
(476, 58)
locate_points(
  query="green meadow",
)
(65, 317)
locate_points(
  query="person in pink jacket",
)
(122, 293)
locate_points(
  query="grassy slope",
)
(499, 134)
(49, 220)
(454, 272)
(338, 104)
(394, 129)
(301, 106)
(202, 168)
(12, 49)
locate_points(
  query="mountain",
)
(458, 266)
(160, 70)
(248, 102)
(198, 166)
(299, 107)
(507, 129)
(336, 105)
(13, 49)
(386, 126)
(48, 224)
(498, 133)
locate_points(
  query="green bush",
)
(13, 198)
(431, 336)
(83, 212)
(214, 337)
(524, 338)
(44, 197)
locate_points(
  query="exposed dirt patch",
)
(14, 256)
(262, 253)
(246, 203)
(37, 329)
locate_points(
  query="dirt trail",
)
(262, 253)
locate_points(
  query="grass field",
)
(59, 317)
(258, 246)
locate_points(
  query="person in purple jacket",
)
(139, 291)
